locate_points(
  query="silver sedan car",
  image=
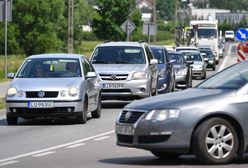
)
(53, 85)
(209, 120)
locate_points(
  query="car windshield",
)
(233, 77)
(186, 49)
(190, 56)
(50, 68)
(159, 55)
(179, 59)
(118, 55)
(208, 54)
(207, 33)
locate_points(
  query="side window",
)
(149, 54)
(166, 56)
(87, 67)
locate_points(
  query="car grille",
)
(134, 116)
(125, 138)
(24, 110)
(113, 77)
(48, 94)
(153, 139)
(116, 90)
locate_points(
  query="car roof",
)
(189, 51)
(121, 43)
(187, 47)
(156, 46)
(57, 55)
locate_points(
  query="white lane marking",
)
(226, 58)
(75, 146)
(8, 163)
(101, 138)
(44, 154)
(56, 147)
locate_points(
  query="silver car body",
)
(38, 91)
(223, 96)
(117, 77)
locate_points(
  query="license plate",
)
(112, 85)
(124, 130)
(40, 104)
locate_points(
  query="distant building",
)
(146, 17)
(232, 18)
(206, 14)
(144, 4)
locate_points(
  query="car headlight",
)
(182, 71)
(11, 92)
(139, 75)
(161, 115)
(73, 91)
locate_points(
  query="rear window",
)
(118, 55)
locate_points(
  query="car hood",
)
(48, 84)
(198, 63)
(178, 66)
(181, 99)
(107, 68)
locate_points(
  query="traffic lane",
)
(33, 135)
(104, 153)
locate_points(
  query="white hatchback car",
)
(53, 85)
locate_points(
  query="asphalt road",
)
(64, 144)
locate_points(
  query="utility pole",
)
(154, 17)
(70, 25)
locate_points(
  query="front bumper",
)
(198, 72)
(163, 136)
(126, 90)
(181, 81)
(60, 109)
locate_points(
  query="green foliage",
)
(110, 15)
(166, 9)
(232, 5)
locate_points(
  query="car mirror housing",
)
(10, 75)
(91, 75)
(154, 61)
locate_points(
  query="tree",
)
(166, 9)
(110, 15)
(39, 23)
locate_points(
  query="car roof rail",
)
(107, 41)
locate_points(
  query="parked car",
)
(209, 58)
(128, 70)
(166, 82)
(198, 66)
(209, 120)
(53, 85)
(208, 48)
(182, 69)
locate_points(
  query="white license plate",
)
(112, 85)
(124, 130)
(48, 104)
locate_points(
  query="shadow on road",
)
(154, 161)
(115, 104)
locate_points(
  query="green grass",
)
(87, 47)
(2, 103)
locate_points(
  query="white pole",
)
(5, 41)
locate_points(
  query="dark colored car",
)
(166, 74)
(209, 121)
(183, 70)
(209, 58)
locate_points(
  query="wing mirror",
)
(91, 75)
(154, 62)
(11, 75)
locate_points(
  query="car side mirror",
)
(154, 62)
(91, 75)
(11, 75)
(206, 59)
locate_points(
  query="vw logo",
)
(113, 76)
(41, 94)
(128, 115)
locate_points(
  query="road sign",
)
(242, 34)
(242, 51)
(128, 26)
(3, 12)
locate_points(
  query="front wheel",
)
(97, 112)
(82, 117)
(215, 141)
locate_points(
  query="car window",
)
(233, 77)
(192, 56)
(50, 68)
(208, 54)
(159, 55)
(177, 57)
(149, 53)
(118, 55)
(87, 67)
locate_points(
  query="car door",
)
(169, 66)
(153, 69)
(90, 83)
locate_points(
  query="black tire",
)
(213, 68)
(165, 155)
(97, 112)
(82, 117)
(205, 75)
(12, 120)
(215, 141)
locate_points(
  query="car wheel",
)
(205, 75)
(214, 68)
(12, 120)
(165, 155)
(215, 141)
(97, 112)
(82, 118)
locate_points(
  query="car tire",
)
(97, 112)
(213, 68)
(165, 155)
(82, 117)
(11, 120)
(215, 141)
